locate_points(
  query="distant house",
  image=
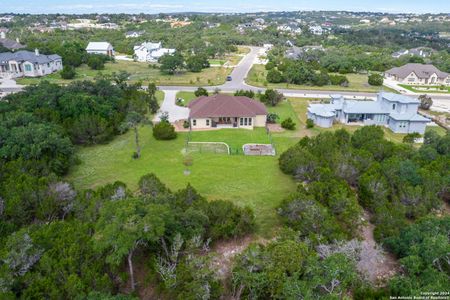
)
(420, 51)
(104, 48)
(418, 74)
(9, 44)
(316, 30)
(298, 52)
(225, 111)
(150, 52)
(398, 112)
(133, 34)
(28, 64)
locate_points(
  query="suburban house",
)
(225, 111)
(150, 52)
(28, 64)
(133, 34)
(418, 74)
(104, 48)
(9, 44)
(398, 112)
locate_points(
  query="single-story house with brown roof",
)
(226, 111)
(418, 74)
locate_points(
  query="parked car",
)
(229, 78)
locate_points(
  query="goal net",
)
(208, 147)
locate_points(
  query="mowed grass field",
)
(141, 72)
(251, 181)
(357, 82)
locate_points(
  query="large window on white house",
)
(249, 121)
(194, 122)
(207, 122)
(28, 68)
(412, 79)
(393, 106)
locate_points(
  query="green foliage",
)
(164, 131)
(170, 63)
(272, 118)
(201, 92)
(196, 63)
(425, 102)
(271, 97)
(248, 93)
(288, 123)
(309, 123)
(68, 72)
(97, 61)
(411, 137)
(375, 79)
(274, 76)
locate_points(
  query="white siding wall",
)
(200, 123)
(260, 121)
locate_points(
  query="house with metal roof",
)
(418, 74)
(226, 111)
(398, 112)
(28, 64)
(104, 48)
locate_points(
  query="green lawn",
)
(427, 89)
(245, 180)
(142, 72)
(357, 82)
(217, 61)
(235, 138)
(186, 96)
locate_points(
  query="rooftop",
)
(98, 46)
(221, 105)
(421, 70)
(28, 56)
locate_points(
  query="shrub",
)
(271, 97)
(249, 93)
(164, 131)
(288, 124)
(410, 137)
(96, 61)
(274, 76)
(201, 92)
(339, 80)
(68, 72)
(425, 102)
(375, 80)
(309, 123)
(272, 118)
(270, 65)
(186, 124)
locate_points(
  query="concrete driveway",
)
(169, 105)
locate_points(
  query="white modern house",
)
(28, 64)
(133, 34)
(150, 52)
(418, 74)
(104, 48)
(398, 112)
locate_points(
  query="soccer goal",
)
(208, 147)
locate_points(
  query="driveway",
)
(175, 112)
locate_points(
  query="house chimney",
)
(36, 52)
(17, 40)
(2, 35)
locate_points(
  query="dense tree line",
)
(94, 233)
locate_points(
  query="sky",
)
(228, 6)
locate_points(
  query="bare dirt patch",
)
(376, 264)
(275, 127)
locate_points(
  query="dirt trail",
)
(376, 264)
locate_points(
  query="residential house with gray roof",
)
(418, 74)
(398, 112)
(28, 64)
(7, 43)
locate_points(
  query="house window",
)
(241, 121)
(411, 79)
(245, 121)
(393, 106)
(207, 122)
(194, 122)
(250, 121)
(28, 68)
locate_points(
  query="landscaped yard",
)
(142, 72)
(186, 96)
(358, 82)
(426, 89)
(245, 180)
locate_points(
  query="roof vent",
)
(36, 51)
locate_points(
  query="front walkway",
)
(175, 112)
